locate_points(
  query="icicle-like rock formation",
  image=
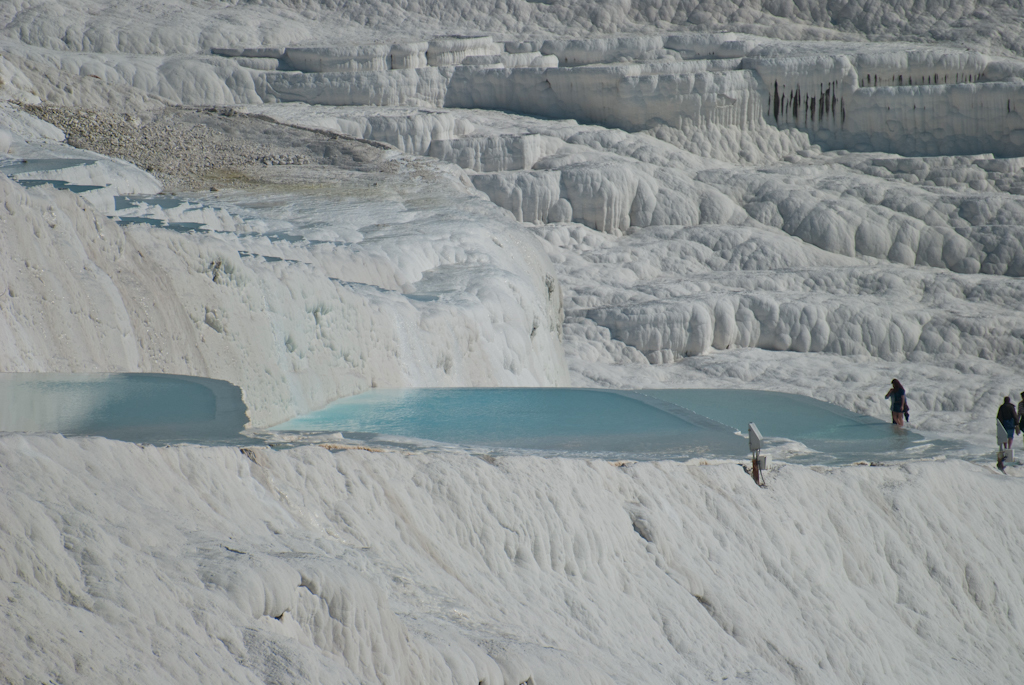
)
(908, 101)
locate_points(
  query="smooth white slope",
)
(303, 565)
(395, 288)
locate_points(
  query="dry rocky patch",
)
(192, 149)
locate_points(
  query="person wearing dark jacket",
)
(1020, 413)
(1007, 416)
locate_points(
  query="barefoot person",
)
(897, 398)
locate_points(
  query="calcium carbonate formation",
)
(687, 150)
(904, 99)
(310, 198)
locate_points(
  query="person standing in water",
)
(1007, 416)
(897, 398)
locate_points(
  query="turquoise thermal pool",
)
(136, 407)
(639, 424)
(605, 424)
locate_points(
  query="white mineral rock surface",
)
(309, 199)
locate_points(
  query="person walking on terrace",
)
(1007, 416)
(897, 397)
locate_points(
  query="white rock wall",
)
(339, 58)
(485, 153)
(451, 51)
(409, 55)
(934, 120)
(632, 97)
(417, 87)
(809, 94)
(638, 83)
(914, 102)
(920, 67)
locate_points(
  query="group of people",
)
(1010, 418)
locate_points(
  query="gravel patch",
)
(192, 149)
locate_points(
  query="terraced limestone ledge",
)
(859, 96)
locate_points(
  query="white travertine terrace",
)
(908, 101)
(603, 194)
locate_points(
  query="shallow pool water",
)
(575, 422)
(639, 424)
(14, 167)
(59, 185)
(820, 426)
(138, 407)
(556, 419)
